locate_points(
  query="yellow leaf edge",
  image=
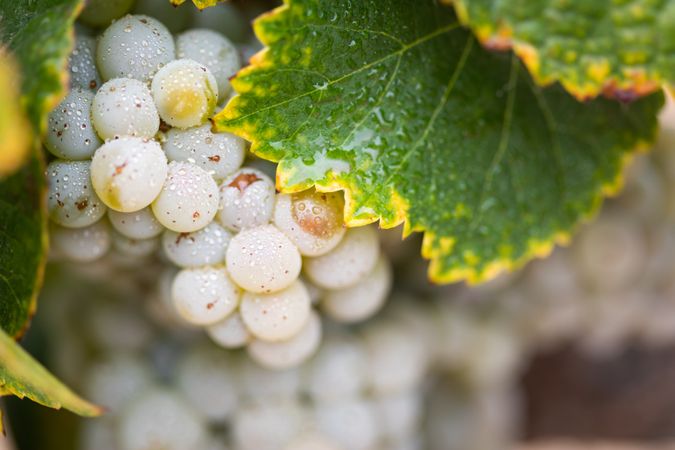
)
(22, 376)
(537, 249)
(500, 37)
(201, 4)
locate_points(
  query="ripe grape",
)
(124, 107)
(188, 201)
(136, 248)
(213, 50)
(289, 353)
(82, 64)
(71, 200)
(351, 423)
(277, 316)
(205, 380)
(204, 296)
(160, 419)
(70, 131)
(134, 47)
(139, 224)
(229, 332)
(199, 248)
(116, 379)
(246, 200)
(85, 244)
(268, 426)
(185, 93)
(353, 258)
(219, 154)
(128, 173)
(362, 300)
(263, 260)
(312, 220)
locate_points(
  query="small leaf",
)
(22, 376)
(201, 4)
(15, 132)
(623, 49)
(394, 102)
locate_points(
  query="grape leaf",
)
(23, 376)
(15, 133)
(590, 46)
(396, 104)
(201, 4)
(40, 35)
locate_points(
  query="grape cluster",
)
(138, 168)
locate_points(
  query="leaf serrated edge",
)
(536, 248)
(501, 38)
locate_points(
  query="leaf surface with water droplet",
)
(396, 104)
(624, 49)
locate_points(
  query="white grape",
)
(189, 199)
(124, 107)
(128, 173)
(185, 93)
(134, 47)
(277, 316)
(139, 224)
(397, 358)
(204, 377)
(399, 414)
(137, 248)
(199, 248)
(117, 379)
(71, 201)
(229, 332)
(362, 300)
(290, 353)
(81, 244)
(312, 441)
(260, 385)
(204, 296)
(213, 50)
(160, 419)
(338, 370)
(82, 64)
(267, 426)
(353, 258)
(263, 260)
(70, 133)
(246, 199)
(312, 220)
(220, 154)
(351, 423)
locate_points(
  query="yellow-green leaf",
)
(15, 132)
(395, 103)
(621, 48)
(22, 376)
(39, 34)
(201, 4)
